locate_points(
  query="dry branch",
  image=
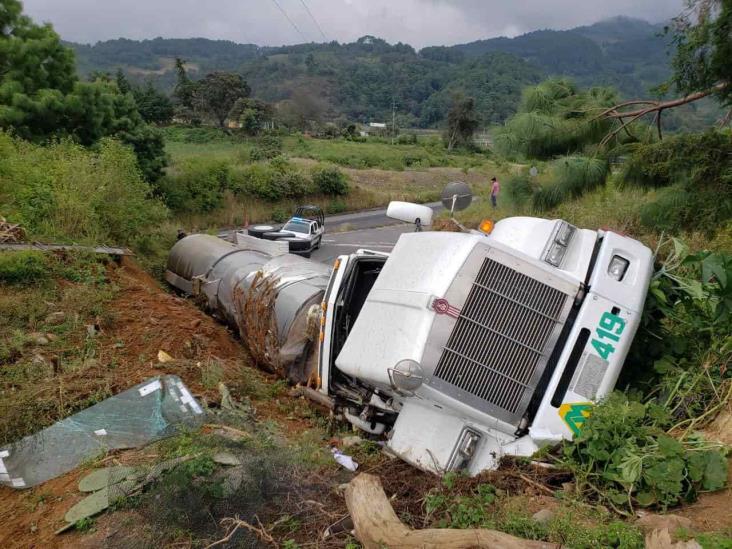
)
(377, 525)
(10, 232)
(651, 107)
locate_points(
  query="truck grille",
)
(501, 341)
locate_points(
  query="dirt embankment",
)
(145, 320)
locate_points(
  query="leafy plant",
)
(22, 267)
(625, 457)
(330, 180)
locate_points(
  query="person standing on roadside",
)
(495, 190)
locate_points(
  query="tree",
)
(216, 94)
(184, 87)
(556, 118)
(461, 122)
(252, 114)
(122, 83)
(154, 106)
(703, 39)
(702, 65)
(41, 97)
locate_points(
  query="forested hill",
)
(360, 80)
(629, 54)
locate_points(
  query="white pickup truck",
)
(464, 347)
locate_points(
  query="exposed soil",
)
(146, 319)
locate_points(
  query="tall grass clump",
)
(571, 177)
(692, 174)
(64, 192)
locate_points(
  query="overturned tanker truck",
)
(457, 347)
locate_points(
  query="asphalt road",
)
(367, 219)
(378, 239)
(369, 229)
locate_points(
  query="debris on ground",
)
(662, 539)
(11, 232)
(343, 460)
(152, 410)
(110, 485)
(164, 357)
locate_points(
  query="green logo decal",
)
(575, 414)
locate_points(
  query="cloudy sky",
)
(417, 22)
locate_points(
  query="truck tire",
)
(271, 235)
(259, 230)
(317, 246)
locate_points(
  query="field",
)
(377, 172)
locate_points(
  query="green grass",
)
(45, 347)
(377, 171)
(377, 154)
(184, 143)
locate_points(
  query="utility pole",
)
(393, 120)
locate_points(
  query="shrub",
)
(520, 189)
(330, 180)
(267, 147)
(696, 173)
(22, 267)
(274, 181)
(198, 185)
(65, 192)
(572, 176)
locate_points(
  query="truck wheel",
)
(259, 230)
(317, 246)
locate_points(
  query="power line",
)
(307, 9)
(294, 26)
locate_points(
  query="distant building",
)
(483, 140)
(377, 125)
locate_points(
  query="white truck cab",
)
(464, 347)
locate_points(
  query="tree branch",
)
(661, 105)
(657, 107)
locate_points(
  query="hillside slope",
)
(360, 80)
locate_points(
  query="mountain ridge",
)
(360, 80)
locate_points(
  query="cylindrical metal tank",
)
(251, 285)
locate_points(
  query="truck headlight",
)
(406, 376)
(557, 247)
(617, 268)
(555, 254)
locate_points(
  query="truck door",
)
(337, 277)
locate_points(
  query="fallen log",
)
(378, 526)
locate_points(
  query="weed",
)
(85, 525)
(352, 544)
(212, 373)
(23, 267)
